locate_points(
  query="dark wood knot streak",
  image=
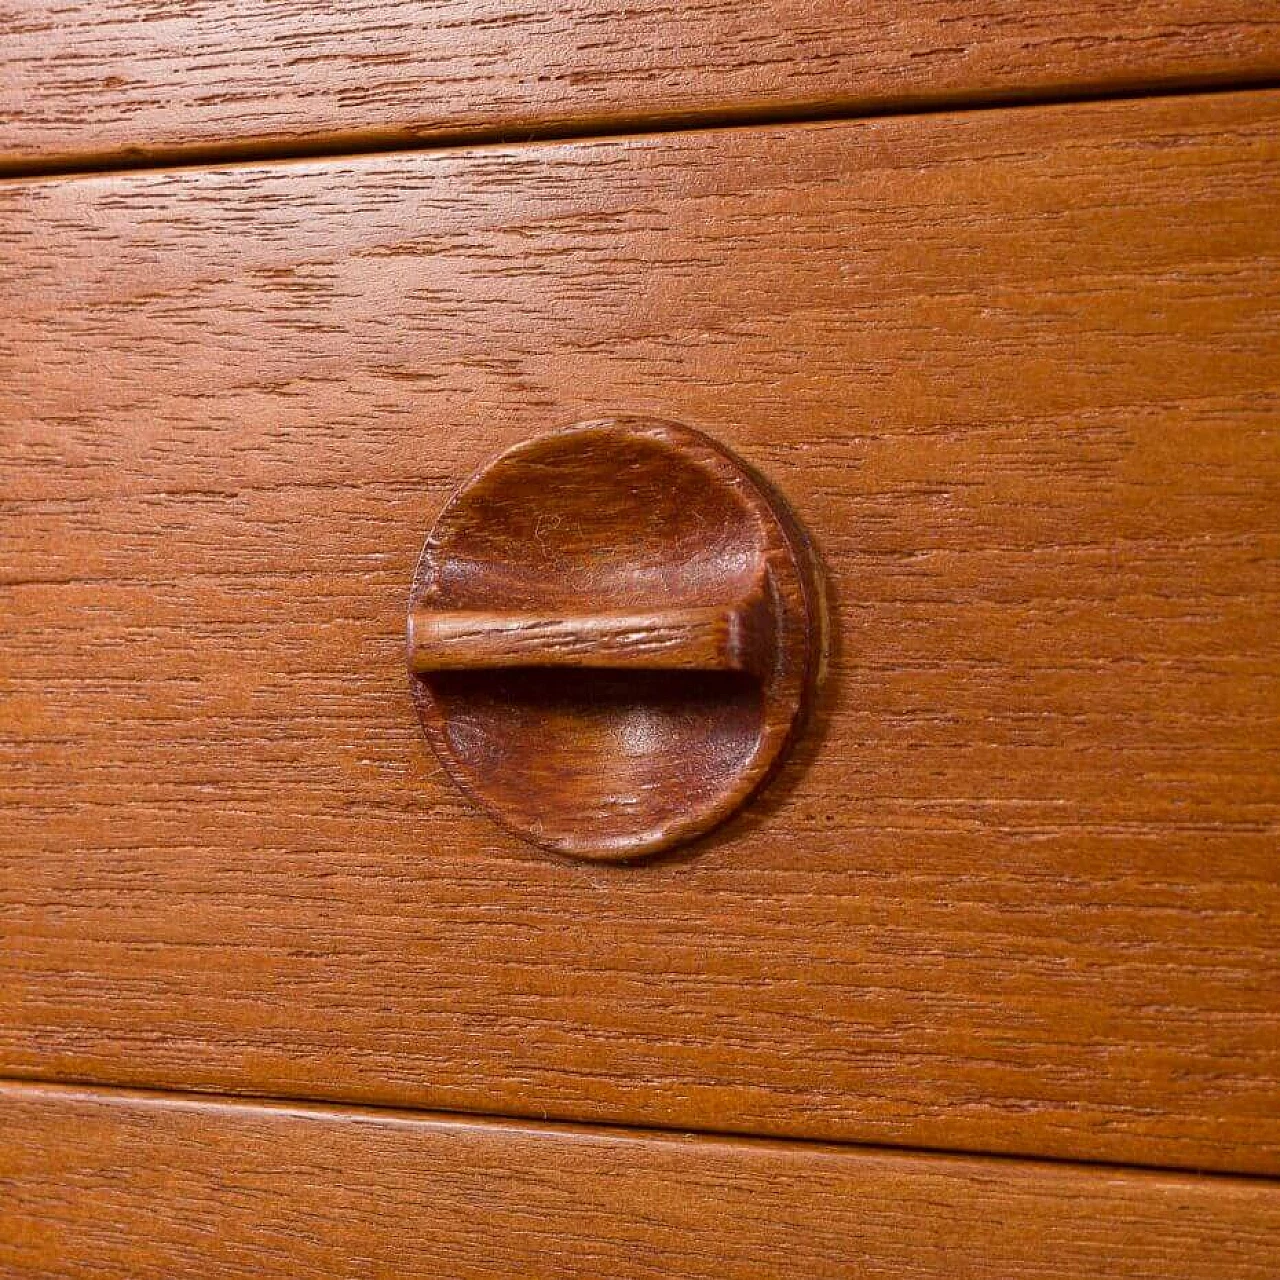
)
(613, 635)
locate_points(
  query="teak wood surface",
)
(113, 1185)
(705, 639)
(94, 82)
(1016, 372)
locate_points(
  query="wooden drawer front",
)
(1016, 371)
(119, 1185)
(92, 83)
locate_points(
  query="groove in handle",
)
(723, 638)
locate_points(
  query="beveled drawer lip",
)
(170, 1184)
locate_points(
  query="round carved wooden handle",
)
(613, 633)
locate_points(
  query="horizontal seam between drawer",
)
(361, 143)
(84, 1088)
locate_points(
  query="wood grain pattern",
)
(111, 81)
(1017, 373)
(705, 639)
(138, 1187)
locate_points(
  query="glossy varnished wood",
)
(1016, 372)
(95, 1185)
(113, 81)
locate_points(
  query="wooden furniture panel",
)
(1016, 371)
(114, 81)
(105, 1185)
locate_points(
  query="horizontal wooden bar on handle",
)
(90, 83)
(706, 639)
(1015, 372)
(149, 1187)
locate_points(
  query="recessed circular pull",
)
(612, 637)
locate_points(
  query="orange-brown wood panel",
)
(116, 80)
(1017, 372)
(102, 1185)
